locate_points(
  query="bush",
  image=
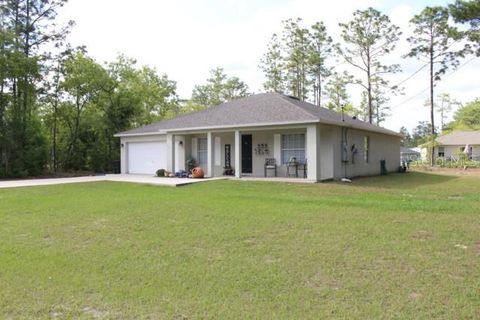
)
(161, 173)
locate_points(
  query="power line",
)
(427, 88)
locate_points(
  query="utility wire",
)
(427, 88)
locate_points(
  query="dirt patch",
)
(94, 313)
(322, 284)
(422, 235)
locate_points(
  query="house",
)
(450, 145)
(243, 133)
(410, 154)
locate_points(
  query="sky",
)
(186, 38)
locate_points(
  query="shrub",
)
(161, 173)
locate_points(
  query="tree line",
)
(59, 108)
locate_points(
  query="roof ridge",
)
(286, 98)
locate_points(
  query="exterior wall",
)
(268, 137)
(124, 141)
(382, 147)
(452, 151)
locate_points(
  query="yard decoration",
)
(197, 172)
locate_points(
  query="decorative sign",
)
(262, 149)
(228, 163)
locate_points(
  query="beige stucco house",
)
(243, 133)
(450, 145)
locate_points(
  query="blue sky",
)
(185, 39)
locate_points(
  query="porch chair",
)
(270, 164)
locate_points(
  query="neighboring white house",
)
(243, 133)
(450, 145)
(410, 154)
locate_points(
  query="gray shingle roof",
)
(256, 110)
(460, 138)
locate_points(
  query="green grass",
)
(401, 246)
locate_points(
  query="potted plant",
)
(191, 163)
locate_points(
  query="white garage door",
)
(146, 157)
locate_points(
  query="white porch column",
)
(170, 153)
(179, 153)
(313, 152)
(238, 154)
(209, 154)
(123, 156)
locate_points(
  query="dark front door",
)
(247, 153)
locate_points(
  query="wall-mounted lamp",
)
(180, 143)
(122, 145)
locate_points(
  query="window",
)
(441, 152)
(293, 145)
(366, 148)
(202, 152)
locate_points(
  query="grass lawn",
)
(401, 246)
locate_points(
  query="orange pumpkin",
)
(197, 172)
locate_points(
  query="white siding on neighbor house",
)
(453, 151)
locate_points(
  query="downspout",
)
(344, 144)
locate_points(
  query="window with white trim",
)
(293, 146)
(202, 152)
(441, 152)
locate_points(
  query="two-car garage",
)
(145, 157)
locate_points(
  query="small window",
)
(293, 146)
(441, 152)
(202, 152)
(366, 148)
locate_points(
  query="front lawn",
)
(400, 246)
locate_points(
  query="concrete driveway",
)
(134, 178)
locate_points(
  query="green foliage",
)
(468, 13)
(295, 63)
(272, 65)
(467, 117)
(368, 38)
(338, 98)
(218, 89)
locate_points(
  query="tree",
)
(272, 66)
(406, 138)
(218, 89)
(421, 133)
(467, 117)
(468, 13)
(84, 80)
(432, 40)
(320, 50)
(27, 27)
(380, 108)
(338, 98)
(297, 46)
(445, 106)
(368, 38)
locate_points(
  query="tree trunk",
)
(369, 90)
(432, 114)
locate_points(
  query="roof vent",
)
(293, 97)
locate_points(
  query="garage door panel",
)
(146, 157)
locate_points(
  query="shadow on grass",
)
(410, 180)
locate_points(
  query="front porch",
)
(244, 152)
